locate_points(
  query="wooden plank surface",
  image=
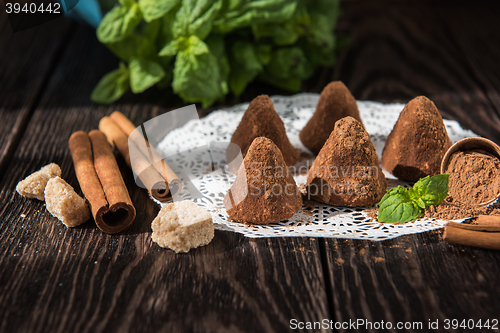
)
(56, 279)
(27, 59)
(446, 50)
(412, 279)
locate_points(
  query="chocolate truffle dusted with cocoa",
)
(261, 119)
(264, 190)
(335, 102)
(346, 171)
(417, 143)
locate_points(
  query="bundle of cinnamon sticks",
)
(100, 178)
(483, 231)
(101, 181)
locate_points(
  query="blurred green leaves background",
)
(205, 49)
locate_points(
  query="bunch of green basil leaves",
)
(204, 48)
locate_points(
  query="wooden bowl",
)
(473, 143)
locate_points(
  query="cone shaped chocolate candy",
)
(417, 143)
(335, 102)
(261, 119)
(264, 190)
(346, 171)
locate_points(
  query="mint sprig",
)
(404, 205)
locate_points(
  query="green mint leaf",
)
(432, 190)
(402, 205)
(133, 46)
(173, 47)
(217, 47)
(151, 30)
(126, 3)
(323, 17)
(420, 203)
(245, 64)
(112, 86)
(197, 78)
(119, 23)
(166, 34)
(247, 13)
(289, 31)
(154, 9)
(287, 68)
(144, 74)
(196, 18)
(193, 45)
(288, 62)
(264, 52)
(397, 206)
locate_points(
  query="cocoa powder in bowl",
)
(474, 177)
(474, 183)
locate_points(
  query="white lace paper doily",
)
(207, 187)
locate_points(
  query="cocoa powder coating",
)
(474, 180)
(264, 190)
(346, 171)
(417, 143)
(261, 120)
(335, 102)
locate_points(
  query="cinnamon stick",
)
(472, 235)
(145, 164)
(148, 175)
(488, 220)
(101, 181)
(116, 137)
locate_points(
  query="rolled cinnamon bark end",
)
(120, 212)
(163, 194)
(174, 183)
(110, 205)
(483, 239)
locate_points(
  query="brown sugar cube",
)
(63, 202)
(34, 185)
(182, 226)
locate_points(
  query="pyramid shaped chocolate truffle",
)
(417, 143)
(261, 119)
(346, 171)
(335, 102)
(264, 190)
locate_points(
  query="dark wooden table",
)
(54, 279)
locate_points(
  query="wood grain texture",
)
(446, 50)
(28, 58)
(54, 279)
(413, 278)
